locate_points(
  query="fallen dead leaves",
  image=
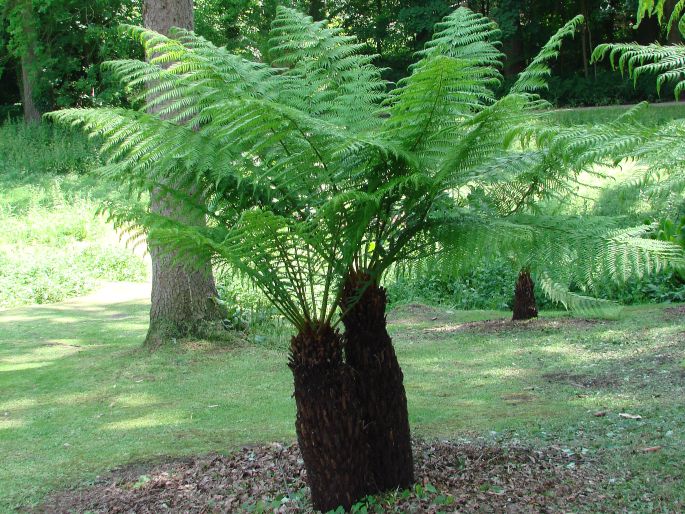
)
(463, 477)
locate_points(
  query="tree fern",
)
(313, 178)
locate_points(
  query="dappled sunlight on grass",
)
(110, 402)
(7, 423)
(45, 353)
(24, 366)
(18, 403)
(147, 421)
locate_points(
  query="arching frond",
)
(666, 62)
(534, 78)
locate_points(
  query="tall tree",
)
(183, 296)
(28, 64)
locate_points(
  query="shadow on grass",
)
(80, 395)
(96, 401)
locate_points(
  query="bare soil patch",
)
(584, 381)
(664, 364)
(467, 477)
(497, 326)
(675, 312)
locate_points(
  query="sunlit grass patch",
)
(101, 401)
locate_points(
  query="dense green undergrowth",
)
(53, 245)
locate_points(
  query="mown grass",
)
(53, 246)
(79, 396)
(657, 114)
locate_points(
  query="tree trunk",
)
(31, 114)
(369, 351)
(330, 430)
(514, 64)
(524, 297)
(28, 68)
(183, 297)
(584, 44)
(316, 10)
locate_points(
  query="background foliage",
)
(71, 39)
(52, 244)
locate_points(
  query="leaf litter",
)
(473, 476)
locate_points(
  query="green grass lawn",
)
(657, 113)
(78, 396)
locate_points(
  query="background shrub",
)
(53, 245)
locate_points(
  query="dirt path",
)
(111, 293)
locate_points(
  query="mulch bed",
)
(463, 477)
(674, 312)
(506, 326)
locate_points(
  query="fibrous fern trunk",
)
(383, 400)
(183, 297)
(525, 306)
(330, 429)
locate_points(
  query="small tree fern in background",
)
(316, 181)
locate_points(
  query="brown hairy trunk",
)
(524, 298)
(369, 351)
(183, 297)
(330, 430)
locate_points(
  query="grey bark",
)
(31, 113)
(183, 297)
(28, 63)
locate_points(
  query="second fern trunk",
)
(383, 401)
(525, 306)
(330, 429)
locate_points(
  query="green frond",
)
(326, 73)
(584, 305)
(468, 36)
(534, 78)
(666, 62)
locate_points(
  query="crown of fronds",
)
(307, 167)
